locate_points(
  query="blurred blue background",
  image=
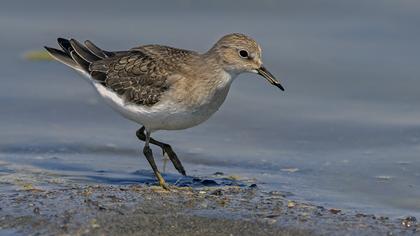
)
(345, 133)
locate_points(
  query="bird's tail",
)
(79, 56)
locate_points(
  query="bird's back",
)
(139, 75)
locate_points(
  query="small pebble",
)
(360, 215)
(409, 221)
(217, 192)
(335, 211)
(270, 221)
(275, 193)
(253, 185)
(291, 204)
(36, 210)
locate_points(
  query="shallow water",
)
(346, 133)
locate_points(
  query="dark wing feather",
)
(63, 57)
(97, 51)
(80, 61)
(80, 56)
(65, 45)
(137, 77)
(83, 52)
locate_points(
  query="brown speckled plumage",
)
(135, 76)
(138, 75)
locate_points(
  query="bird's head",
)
(239, 53)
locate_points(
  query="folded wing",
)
(134, 75)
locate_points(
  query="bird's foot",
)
(161, 180)
(164, 185)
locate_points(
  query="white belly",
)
(164, 115)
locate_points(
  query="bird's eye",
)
(243, 53)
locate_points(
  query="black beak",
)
(269, 77)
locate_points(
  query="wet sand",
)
(148, 210)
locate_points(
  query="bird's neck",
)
(213, 60)
(214, 75)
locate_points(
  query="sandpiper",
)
(164, 88)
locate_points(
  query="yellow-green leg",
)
(149, 156)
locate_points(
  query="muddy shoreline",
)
(146, 210)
